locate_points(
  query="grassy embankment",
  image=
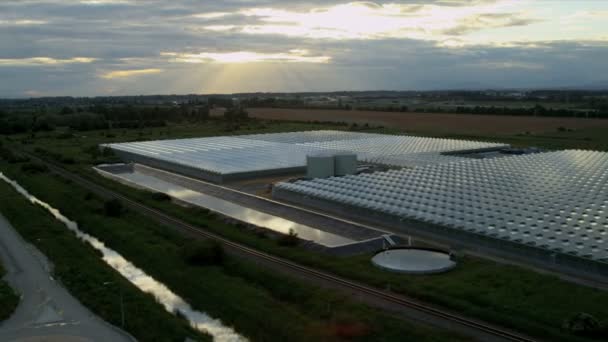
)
(9, 299)
(507, 295)
(79, 267)
(260, 304)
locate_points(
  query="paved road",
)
(47, 311)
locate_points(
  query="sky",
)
(133, 47)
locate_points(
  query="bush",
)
(161, 197)
(67, 160)
(582, 324)
(34, 167)
(65, 135)
(289, 240)
(12, 157)
(113, 208)
(203, 253)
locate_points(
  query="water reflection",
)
(233, 210)
(171, 302)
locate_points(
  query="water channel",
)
(172, 302)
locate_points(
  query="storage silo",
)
(345, 164)
(320, 165)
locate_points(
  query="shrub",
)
(107, 152)
(203, 253)
(34, 167)
(582, 324)
(289, 240)
(161, 197)
(65, 135)
(67, 160)
(113, 208)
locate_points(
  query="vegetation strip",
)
(9, 299)
(171, 302)
(87, 277)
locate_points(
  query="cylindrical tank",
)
(319, 165)
(345, 164)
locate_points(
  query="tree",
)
(236, 114)
(113, 208)
(203, 113)
(203, 253)
(581, 324)
(66, 110)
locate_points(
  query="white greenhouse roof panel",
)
(223, 155)
(394, 145)
(556, 201)
(253, 155)
(309, 136)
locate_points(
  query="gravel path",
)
(47, 311)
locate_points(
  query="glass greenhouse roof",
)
(556, 200)
(259, 152)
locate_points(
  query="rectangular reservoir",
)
(226, 208)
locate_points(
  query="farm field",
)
(520, 131)
(435, 123)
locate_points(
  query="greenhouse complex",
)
(220, 159)
(550, 207)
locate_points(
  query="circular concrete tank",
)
(320, 165)
(414, 260)
(345, 164)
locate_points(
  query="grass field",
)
(508, 295)
(8, 298)
(518, 130)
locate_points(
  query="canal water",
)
(172, 302)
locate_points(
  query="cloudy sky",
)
(118, 47)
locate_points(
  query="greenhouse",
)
(554, 202)
(220, 159)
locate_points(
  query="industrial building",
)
(548, 205)
(221, 159)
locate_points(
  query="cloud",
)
(368, 20)
(129, 73)
(105, 2)
(43, 61)
(22, 22)
(293, 56)
(489, 20)
(292, 45)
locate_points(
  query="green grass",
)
(260, 304)
(8, 298)
(79, 267)
(507, 295)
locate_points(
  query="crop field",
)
(436, 123)
(520, 131)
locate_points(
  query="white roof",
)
(556, 201)
(235, 154)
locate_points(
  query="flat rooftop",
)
(287, 151)
(555, 201)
